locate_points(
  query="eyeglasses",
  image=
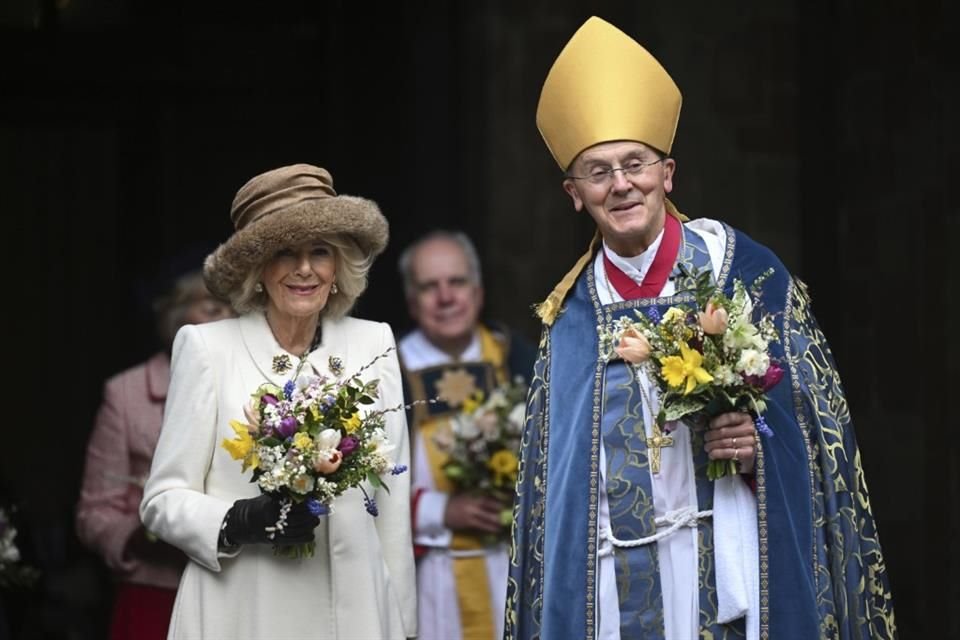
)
(600, 176)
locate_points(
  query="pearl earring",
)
(334, 289)
(258, 288)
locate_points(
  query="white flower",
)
(740, 335)
(753, 362)
(465, 427)
(302, 483)
(517, 415)
(725, 376)
(379, 443)
(327, 441)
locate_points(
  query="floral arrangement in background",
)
(309, 441)
(482, 443)
(13, 573)
(706, 359)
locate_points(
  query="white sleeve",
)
(175, 506)
(393, 523)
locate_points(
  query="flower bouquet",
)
(309, 442)
(482, 442)
(13, 573)
(706, 359)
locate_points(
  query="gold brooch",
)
(336, 365)
(455, 386)
(281, 363)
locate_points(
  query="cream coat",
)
(360, 584)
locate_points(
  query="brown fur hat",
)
(283, 208)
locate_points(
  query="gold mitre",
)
(604, 86)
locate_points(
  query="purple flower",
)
(329, 400)
(763, 427)
(316, 507)
(287, 427)
(398, 469)
(653, 314)
(288, 389)
(268, 398)
(348, 444)
(371, 506)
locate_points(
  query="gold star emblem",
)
(281, 364)
(455, 386)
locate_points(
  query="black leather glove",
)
(247, 522)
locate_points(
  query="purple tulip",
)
(348, 444)
(268, 398)
(288, 426)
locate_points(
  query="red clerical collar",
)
(658, 272)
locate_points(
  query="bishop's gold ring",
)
(736, 455)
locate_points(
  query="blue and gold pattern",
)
(821, 576)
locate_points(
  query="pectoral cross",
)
(654, 444)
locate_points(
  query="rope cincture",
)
(687, 516)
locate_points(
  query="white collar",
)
(418, 353)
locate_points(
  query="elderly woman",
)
(294, 267)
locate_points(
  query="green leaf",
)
(374, 479)
(679, 406)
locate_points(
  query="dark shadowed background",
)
(826, 130)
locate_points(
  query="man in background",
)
(452, 358)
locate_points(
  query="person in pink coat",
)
(147, 571)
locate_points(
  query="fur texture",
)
(225, 269)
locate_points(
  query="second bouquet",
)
(482, 444)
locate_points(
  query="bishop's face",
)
(623, 185)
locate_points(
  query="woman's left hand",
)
(732, 436)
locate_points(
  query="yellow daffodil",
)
(472, 403)
(242, 447)
(685, 369)
(352, 423)
(504, 465)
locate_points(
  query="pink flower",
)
(633, 346)
(328, 464)
(253, 418)
(768, 380)
(772, 376)
(713, 319)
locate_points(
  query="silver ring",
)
(733, 442)
(736, 455)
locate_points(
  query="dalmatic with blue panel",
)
(821, 576)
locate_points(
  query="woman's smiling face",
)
(298, 279)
